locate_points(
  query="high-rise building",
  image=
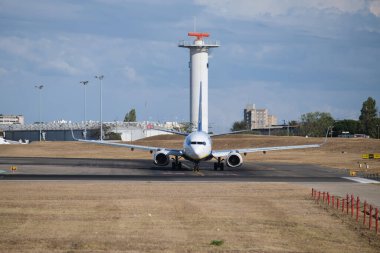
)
(258, 118)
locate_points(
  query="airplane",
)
(197, 147)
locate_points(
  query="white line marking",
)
(3, 171)
(362, 180)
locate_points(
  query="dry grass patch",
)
(168, 217)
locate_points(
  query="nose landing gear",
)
(196, 167)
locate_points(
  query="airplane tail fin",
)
(200, 110)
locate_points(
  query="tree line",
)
(316, 123)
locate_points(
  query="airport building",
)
(61, 130)
(258, 118)
(11, 119)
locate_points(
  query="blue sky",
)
(291, 57)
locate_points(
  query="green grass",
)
(217, 242)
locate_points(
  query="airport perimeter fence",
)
(360, 211)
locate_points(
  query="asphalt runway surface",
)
(145, 170)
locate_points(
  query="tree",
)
(239, 125)
(368, 117)
(130, 116)
(346, 125)
(316, 123)
(186, 127)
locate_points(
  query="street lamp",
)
(85, 124)
(100, 77)
(39, 87)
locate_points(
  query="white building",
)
(258, 118)
(11, 119)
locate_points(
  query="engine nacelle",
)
(234, 159)
(161, 158)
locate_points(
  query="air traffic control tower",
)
(198, 65)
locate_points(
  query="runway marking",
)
(362, 180)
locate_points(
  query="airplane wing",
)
(175, 152)
(222, 153)
(227, 133)
(171, 131)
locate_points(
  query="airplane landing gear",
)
(196, 167)
(219, 164)
(176, 164)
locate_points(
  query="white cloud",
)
(131, 74)
(374, 7)
(248, 9)
(3, 71)
(41, 9)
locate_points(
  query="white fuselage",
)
(197, 146)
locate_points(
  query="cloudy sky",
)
(290, 56)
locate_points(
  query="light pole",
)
(85, 124)
(39, 87)
(100, 77)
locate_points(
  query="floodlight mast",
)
(85, 124)
(39, 87)
(100, 77)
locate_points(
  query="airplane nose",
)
(197, 152)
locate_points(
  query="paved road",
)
(323, 179)
(109, 169)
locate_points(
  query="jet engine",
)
(234, 159)
(161, 158)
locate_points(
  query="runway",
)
(145, 170)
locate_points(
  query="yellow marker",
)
(353, 173)
(371, 156)
(13, 168)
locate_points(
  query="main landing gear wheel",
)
(219, 164)
(176, 164)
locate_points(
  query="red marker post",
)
(347, 203)
(377, 220)
(370, 217)
(357, 208)
(365, 211)
(352, 205)
(337, 203)
(328, 199)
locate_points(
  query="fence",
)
(350, 206)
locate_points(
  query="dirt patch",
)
(337, 153)
(168, 217)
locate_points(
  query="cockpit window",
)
(198, 143)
